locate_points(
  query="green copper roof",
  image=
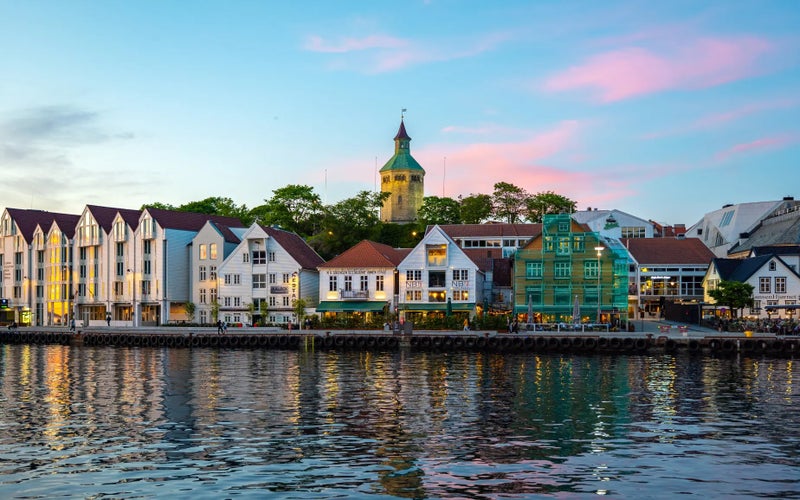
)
(402, 159)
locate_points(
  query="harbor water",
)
(145, 422)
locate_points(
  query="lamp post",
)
(599, 249)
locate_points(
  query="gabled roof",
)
(491, 260)
(501, 230)
(740, 269)
(189, 221)
(296, 246)
(27, 220)
(105, 216)
(365, 254)
(227, 235)
(650, 251)
(775, 250)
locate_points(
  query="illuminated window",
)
(213, 250)
(437, 255)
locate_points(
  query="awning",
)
(350, 306)
(437, 306)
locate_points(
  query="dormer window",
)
(773, 266)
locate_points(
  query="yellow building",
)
(404, 179)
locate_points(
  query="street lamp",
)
(599, 249)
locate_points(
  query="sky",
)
(664, 110)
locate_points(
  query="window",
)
(228, 279)
(436, 279)
(547, 244)
(213, 293)
(226, 301)
(348, 283)
(237, 302)
(379, 283)
(563, 227)
(146, 246)
(578, 244)
(333, 284)
(285, 278)
(414, 275)
(461, 295)
(212, 273)
(533, 295)
(460, 274)
(780, 285)
(259, 257)
(273, 302)
(437, 255)
(203, 252)
(633, 232)
(563, 245)
(146, 267)
(119, 288)
(773, 266)
(764, 285)
(533, 270)
(272, 256)
(202, 273)
(364, 283)
(590, 269)
(273, 278)
(563, 270)
(213, 250)
(237, 279)
(437, 296)
(562, 296)
(245, 257)
(145, 287)
(259, 281)
(285, 301)
(413, 295)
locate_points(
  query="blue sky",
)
(665, 110)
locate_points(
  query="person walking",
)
(219, 326)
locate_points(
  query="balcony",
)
(354, 294)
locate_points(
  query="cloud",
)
(319, 44)
(635, 71)
(762, 144)
(383, 53)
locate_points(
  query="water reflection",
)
(127, 422)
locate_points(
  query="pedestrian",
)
(108, 319)
(219, 326)
(72, 325)
(224, 327)
(466, 324)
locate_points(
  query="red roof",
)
(27, 220)
(650, 251)
(368, 254)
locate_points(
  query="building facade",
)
(570, 274)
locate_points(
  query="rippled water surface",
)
(146, 422)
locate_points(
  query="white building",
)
(776, 284)
(361, 282)
(263, 277)
(731, 225)
(614, 223)
(437, 276)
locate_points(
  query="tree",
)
(348, 222)
(300, 311)
(734, 294)
(509, 202)
(219, 205)
(436, 210)
(295, 208)
(190, 309)
(548, 202)
(158, 204)
(215, 311)
(475, 208)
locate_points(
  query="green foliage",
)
(548, 202)
(733, 294)
(295, 208)
(509, 202)
(475, 208)
(348, 222)
(436, 210)
(400, 235)
(190, 309)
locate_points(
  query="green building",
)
(569, 274)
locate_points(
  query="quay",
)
(656, 337)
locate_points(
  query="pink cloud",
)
(636, 71)
(318, 44)
(762, 144)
